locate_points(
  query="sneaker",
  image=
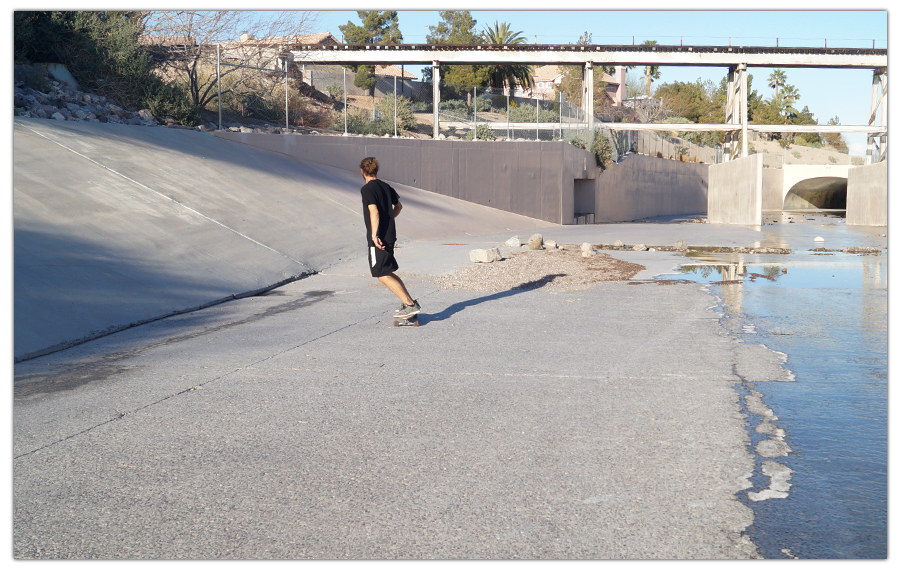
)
(407, 311)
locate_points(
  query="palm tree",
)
(789, 96)
(513, 74)
(777, 79)
(650, 72)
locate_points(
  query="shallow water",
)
(828, 314)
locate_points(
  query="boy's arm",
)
(374, 218)
(397, 208)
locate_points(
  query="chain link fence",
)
(325, 98)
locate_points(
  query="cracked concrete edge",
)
(120, 327)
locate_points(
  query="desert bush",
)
(336, 91)
(483, 131)
(405, 118)
(602, 150)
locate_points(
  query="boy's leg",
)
(397, 287)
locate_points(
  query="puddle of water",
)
(829, 315)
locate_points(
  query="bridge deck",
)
(599, 54)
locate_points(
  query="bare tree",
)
(183, 45)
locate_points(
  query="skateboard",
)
(411, 321)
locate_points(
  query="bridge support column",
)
(875, 152)
(436, 96)
(736, 111)
(588, 98)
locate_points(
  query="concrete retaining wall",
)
(773, 190)
(867, 202)
(736, 191)
(640, 186)
(535, 179)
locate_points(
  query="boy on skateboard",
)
(381, 205)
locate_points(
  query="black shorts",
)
(382, 263)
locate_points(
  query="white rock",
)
(587, 253)
(639, 248)
(586, 247)
(485, 255)
(618, 244)
(819, 240)
(536, 242)
(514, 242)
(550, 244)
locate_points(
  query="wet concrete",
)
(820, 435)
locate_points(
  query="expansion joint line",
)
(179, 203)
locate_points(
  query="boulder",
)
(681, 245)
(536, 242)
(550, 244)
(639, 248)
(586, 247)
(618, 244)
(514, 242)
(485, 255)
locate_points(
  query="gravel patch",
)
(563, 269)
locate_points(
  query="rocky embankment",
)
(40, 94)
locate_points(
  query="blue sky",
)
(827, 93)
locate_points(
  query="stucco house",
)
(547, 80)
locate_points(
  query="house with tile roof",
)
(547, 80)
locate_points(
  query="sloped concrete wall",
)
(736, 191)
(118, 225)
(641, 186)
(867, 202)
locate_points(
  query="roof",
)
(551, 73)
(320, 38)
(393, 71)
(546, 73)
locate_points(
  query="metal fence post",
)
(219, 82)
(537, 119)
(345, 101)
(395, 106)
(507, 116)
(475, 111)
(287, 116)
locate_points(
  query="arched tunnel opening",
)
(818, 193)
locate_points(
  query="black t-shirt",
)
(383, 196)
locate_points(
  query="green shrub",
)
(336, 91)
(602, 150)
(526, 113)
(577, 142)
(34, 79)
(483, 131)
(456, 107)
(405, 118)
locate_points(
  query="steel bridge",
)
(737, 59)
